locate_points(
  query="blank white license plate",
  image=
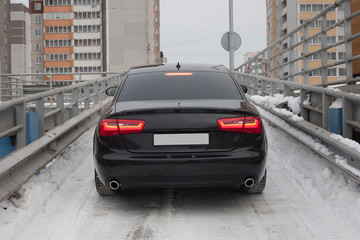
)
(181, 139)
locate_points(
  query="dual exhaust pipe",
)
(115, 185)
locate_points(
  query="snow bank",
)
(19, 210)
(350, 143)
(273, 103)
(323, 183)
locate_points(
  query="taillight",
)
(110, 127)
(241, 124)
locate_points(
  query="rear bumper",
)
(202, 170)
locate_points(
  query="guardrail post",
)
(348, 44)
(291, 58)
(87, 97)
(305, 52)
(60, 105)
(325, 111)
(263, 64)
(286, 90)
(75, 102)
(347, 115)
(263, 87)
(324, 70)
(103, 88)
(279, 60)
(21, 120)
(40, 111)
(96, 91)
(304, 111)
(273, 89)
(22, 86)
(51, 81)
(271, 62)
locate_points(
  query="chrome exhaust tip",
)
(249, 182)
(114, 185)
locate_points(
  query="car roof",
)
(173, 67)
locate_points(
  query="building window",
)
(38, 33)
(57, 2)
(86, 2)
(38, 46)
(86, 28)
(342, 71)
(57, 15)
(341, 55)
(38, 6)
(38, 60)
(87, 15)
(268, 12)
(332, 72)
(331, 55)
(37, 19)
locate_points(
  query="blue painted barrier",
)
(8, 144)
(335, 120)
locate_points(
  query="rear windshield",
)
(198, 85)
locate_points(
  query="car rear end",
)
(171, 128)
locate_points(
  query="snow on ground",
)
(305, 198)
(16, 212)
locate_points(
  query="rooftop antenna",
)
(178, 66)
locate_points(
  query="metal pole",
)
(231, 36)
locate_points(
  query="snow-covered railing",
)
(61, 115)
(307, 108)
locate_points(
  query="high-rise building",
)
(36, 39)
(90, 36)
(5, 52)
(283, 16)
(19, 27)
(132, 30)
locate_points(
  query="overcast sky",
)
(191, 30)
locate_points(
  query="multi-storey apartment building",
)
(283, 16)
(19, 32)
(58, 40)
(131, 30)
(36, 38)
(5, 52)
(93, 36)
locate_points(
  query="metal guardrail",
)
(17, 85)
(318, 130)
(283, 56)
(69, 112)
(258, 73)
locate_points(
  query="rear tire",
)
(101, 188)
(256, 188)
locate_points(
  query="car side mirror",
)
(110, 91)
(244, 88)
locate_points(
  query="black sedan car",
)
(179, 126)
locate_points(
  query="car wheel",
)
(102, 189)
(256, 188)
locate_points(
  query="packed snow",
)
(306, 197)
(273, 102)
(336, 104)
